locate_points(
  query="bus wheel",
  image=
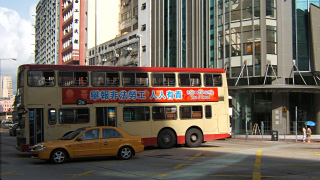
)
(125, 153)
(194, 137)
(58, 156)
(166, 139)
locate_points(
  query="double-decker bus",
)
(166, 106)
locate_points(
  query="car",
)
(13, 129)
(89, 142)
(5, 124)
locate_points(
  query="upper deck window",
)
(163, 79)
(186, 79)
(21, 79)
(41, 78)
(212, 80)
(71, 78)
(105, 79)
(135, 79)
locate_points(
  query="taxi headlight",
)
(40, 148)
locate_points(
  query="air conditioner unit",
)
(117, 55)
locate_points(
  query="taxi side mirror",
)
(80, 138)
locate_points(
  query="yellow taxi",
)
(89, 142)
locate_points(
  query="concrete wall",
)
(315, 37)
(280, 118)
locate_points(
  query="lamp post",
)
(13, 59)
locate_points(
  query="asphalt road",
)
(223, 159)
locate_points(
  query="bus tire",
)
(58, 156)
(166, 139)
(194, 137)
(125, 153)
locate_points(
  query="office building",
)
(269, 48)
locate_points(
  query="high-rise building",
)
(6, 87)
(62, 29)
(269, 49)
(47, 32)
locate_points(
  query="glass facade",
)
(300, 24)
(170, 33)
(239, 36)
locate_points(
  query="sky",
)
(16, 35)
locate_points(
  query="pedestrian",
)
(304, 133)
(309, 134)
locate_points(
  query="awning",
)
(274, 88)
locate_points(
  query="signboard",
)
(134, 95)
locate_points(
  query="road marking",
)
(199, 154)
(149, 152)
(257, 166)
(178, 166)
(81, 174)
(9, 173)
(315, 153)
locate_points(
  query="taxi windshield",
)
(73, 134)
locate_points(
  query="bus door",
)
(106, 116)
(36, 126)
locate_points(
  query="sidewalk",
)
(288, 138)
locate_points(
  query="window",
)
(21, 79)
(163, 79)
(191, 112)
(91, 134)
(143, 27)
(189, 80)
(52, 119)
(73, 78)
(135, 79)
(143, 6)
(144, 48)
(74, 116)
(208, 112)
(212, 80)
(110, 133)
(41, 78)
(136, 114)
(164, 113)
(105, 79)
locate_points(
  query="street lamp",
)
(13, 59)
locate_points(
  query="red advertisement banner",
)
(134, 95)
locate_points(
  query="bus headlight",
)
(40, 148)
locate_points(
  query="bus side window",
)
(81, 78)
(208, 112)
(141, 79)
(128, 79)
(213, 80)
(191, 112)
(217, 80)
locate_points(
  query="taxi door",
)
(88, 145)
(110, 142)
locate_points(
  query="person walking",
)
(309, 134)
(304, 133)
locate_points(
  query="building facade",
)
(269, 49)
(47, 32)
(6, 87)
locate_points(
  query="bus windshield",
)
(73, 134)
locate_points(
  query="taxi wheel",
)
(58, 156)
(125, 153)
